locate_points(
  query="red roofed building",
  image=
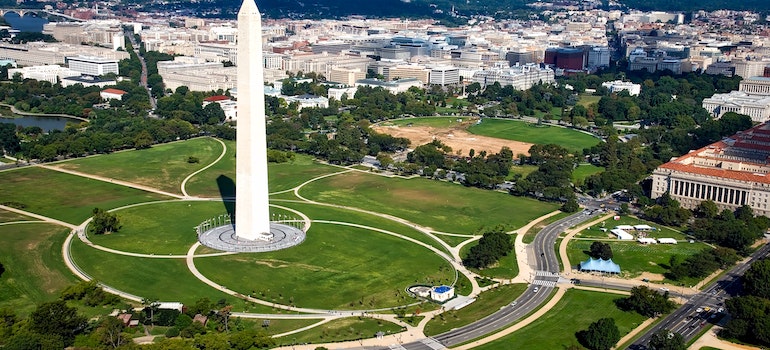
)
(112, 94)
(732, 173)
(229, 106)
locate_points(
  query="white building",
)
(228, 105)
(339, 93)
(92, 65)
(308, 100)
(394, 87)
(732, 173)
(442, 293)
(617, 86)
(444, 75)
(51, 73)
(520, 77)
(622, 234)
(112, 94)
(87, 81)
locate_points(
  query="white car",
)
(536, 289)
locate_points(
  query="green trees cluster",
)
(103, 222)
(750, 313)
(600, 250)
(736, 230)
(667, 212)
(552, 179)
(665, 339)
(647, 302)
(90, 293)
(494, 245)
(9, 141)
(701, 264)
(53, 325)
(600, 335)
(485, 171)
(186, 105)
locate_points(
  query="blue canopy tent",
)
(600, 265)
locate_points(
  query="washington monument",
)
(252, 213)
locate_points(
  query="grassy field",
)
(635, 258)
(146, 232)
(442, 206)
(319, 212)
(219, 180)
(351, 268)
(34, 268)
(586, 100)
(436, 122)
(452, 240)
(660, 232)
(276, 325)
(486, 304)
(9, 216)
(162, 166)
(583, 171)
(350, 328)
(574, 312)
(524, 170)
(74, 198)
(526, 132)
(506, 267)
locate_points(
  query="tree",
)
(104, 222)
(571, 205)
(647, 302)
(601, 250)
(600, 335)
(494, 245)
(756, 281)
(58, 319)
(9, 141)
(665, 339)
(110, 332)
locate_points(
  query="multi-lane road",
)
(703, 307)
(547, 269)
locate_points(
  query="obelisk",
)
(252, 213)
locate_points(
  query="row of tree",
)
(493, 245)
(750, 313)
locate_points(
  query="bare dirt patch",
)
(456, 137)
(650, 276)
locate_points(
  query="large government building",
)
(731, 172)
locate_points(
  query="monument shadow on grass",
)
(227, 193)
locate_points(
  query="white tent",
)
(644, 240)
(622, 234)
(667, 240)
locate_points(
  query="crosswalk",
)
(544, 283)
(546, 274)
(396, 347)
(433, 344)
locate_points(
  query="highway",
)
(542, 252)
(699, 310)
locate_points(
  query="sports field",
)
(518, 130)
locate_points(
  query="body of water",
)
(45, 123)
(29, 23)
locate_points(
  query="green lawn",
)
(351, 328)
(74, 197)
(276, 325)
(219, 180)
(586, 100)
(9, 216)
(34, 268)
(161, 166)
(524, 170)
(452, 240)
(518, 130)
(440, 205)
(321, 212)
(350, 268)
(506, 267)
(574, 312)
(635, 258)
(165, 279)
(583, 171)
(486, 304)
(436, 122)
(146, 232)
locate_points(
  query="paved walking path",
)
(115, 181)
(222, 155)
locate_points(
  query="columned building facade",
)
(732, 173)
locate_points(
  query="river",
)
(29, 23)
